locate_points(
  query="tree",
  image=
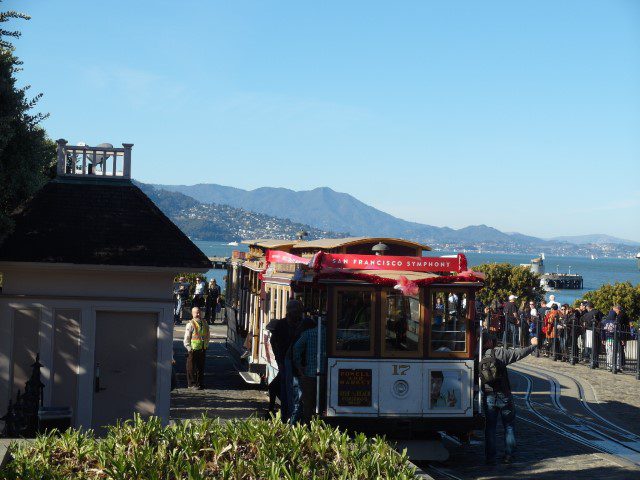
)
(504, 279)
(621, 293)
(27, 156)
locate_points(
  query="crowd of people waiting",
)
(205, 296)
(564, 332)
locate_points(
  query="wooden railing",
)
(102, 160)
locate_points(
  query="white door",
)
(125, 366)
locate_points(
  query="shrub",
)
(623, 293)
(504, 279)
(191, 278)
(239, 449)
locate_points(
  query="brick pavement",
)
(544, 454)
(227, 396)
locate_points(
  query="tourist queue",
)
(565, 333)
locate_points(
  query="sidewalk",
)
(226, 395)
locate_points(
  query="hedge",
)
(205, 449)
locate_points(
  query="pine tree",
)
(27, 156)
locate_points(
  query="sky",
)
(524, 116)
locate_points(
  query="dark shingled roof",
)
(95, 221)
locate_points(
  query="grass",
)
(205, 449)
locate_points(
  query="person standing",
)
(524, 313)
(305, 360)
(591, 325)
(213, 300)
(198, 293)
(573, 332)
(613, 345)
(551, 330)
(543, 309)
(196, 341)
(181, 294)
(511, 321)
(552, 301)
(497, 400)
(282, 335)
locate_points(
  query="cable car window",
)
(402, 332)
(448, 321)
(353, 315)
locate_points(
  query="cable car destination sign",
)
(379, 262)
(323, 260)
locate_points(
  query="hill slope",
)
(330, 211)
(595, 238)
(327, 209)
(222, 222)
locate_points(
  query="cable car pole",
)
(318, 358)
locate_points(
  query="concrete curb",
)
(420, 473)
(4, 448)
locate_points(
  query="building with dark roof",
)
(87, 278)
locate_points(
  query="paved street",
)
(559, 436)
(573, 422)
(226, 396)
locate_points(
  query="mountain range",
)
(595, 238)
(217, 222)
(326, 210)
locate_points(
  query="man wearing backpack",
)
(497, 400)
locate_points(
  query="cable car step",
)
(251, 377)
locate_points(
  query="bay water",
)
(595, 273)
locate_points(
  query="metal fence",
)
(616, 349)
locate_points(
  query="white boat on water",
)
(233, 244)
(593, 257)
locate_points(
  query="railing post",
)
(555, 338)
(592, 362)
(637, 350)
(572, 354)
(62, 157)
(126, 165)
(616, 349)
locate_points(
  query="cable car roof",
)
(330, 243)
(274, 243)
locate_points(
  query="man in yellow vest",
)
(196, 341)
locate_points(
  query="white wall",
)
(49, 289)
(81, 281)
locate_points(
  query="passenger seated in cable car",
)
(353, 331)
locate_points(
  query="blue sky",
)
(520, 115)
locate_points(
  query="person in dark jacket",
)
(615, 320)
(293, 375)
(497, 400)
(282, 335)
(511, 321)
(591, 326)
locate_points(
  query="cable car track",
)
(631, 436)
(594, 427)
(607, 444)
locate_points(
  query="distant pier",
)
(219, 263)
(561, 281)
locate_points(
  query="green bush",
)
(504, 279)
(191, 278)
(239, 449)
(623, 293)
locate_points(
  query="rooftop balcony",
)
(104, 160)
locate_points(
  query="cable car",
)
(400, 328)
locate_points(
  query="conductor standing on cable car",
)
(497, 400)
